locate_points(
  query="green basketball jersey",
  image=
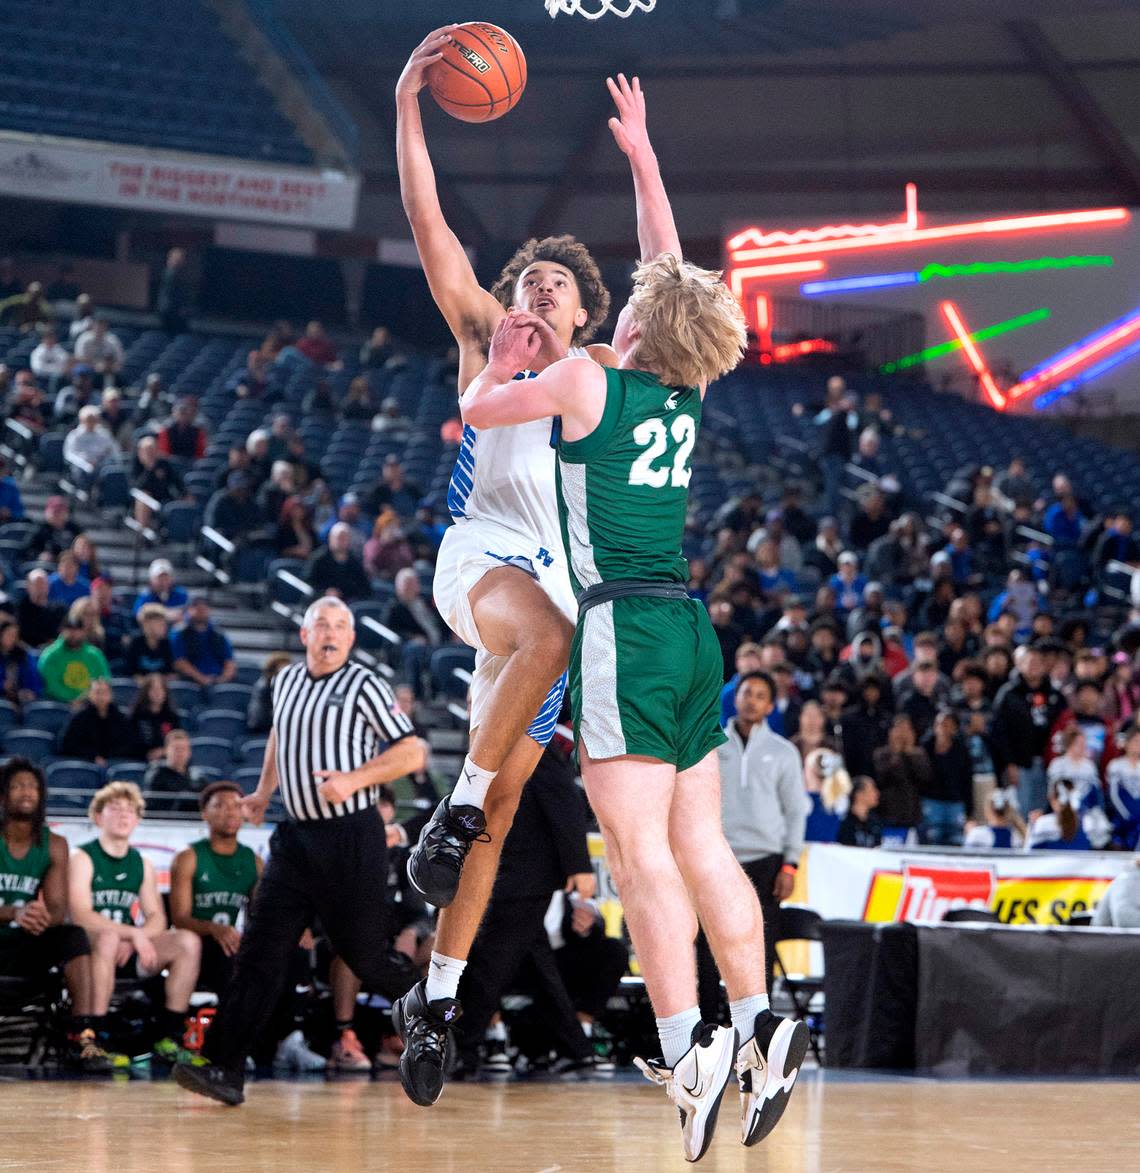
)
(116, 883)
(623, 490)
(222, 883)
(20, 879)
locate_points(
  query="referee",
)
(337, 735)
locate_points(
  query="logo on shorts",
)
(544, 556)
(474, 60)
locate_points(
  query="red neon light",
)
(1077, 358)
(973, 355)
(945, 232)
(807, 346)
(764, 321)
(911, 191)
(790, 269)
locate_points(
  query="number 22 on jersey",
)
(652, 435)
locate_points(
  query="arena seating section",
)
(157, 75)
(752, 439)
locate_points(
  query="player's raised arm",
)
(656, 232)
(573, 388)
(470, 311)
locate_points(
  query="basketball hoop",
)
(622, 8)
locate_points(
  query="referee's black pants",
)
(762, 872)
(513, 938)
(334, 869)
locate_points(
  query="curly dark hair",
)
(8, 771)
(571, 254)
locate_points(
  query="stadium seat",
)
(50, 716)
(253, 752)
(29, 743)
(180, 521)
(224, 724)
(247, 778)
(70, 774)
(186, 696)
(233, 696)
(212, 753)
(445, 662)
(9, 718)
(126, 772)
(124, 690)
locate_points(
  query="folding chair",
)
(796, 923)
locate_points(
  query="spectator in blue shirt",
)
(1063, 522)
(201, 652)
(11, 505)
(162, 590)
(961, 557)
(847, 583)
(350, 514)
(67, 584)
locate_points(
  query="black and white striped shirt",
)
(334, 722)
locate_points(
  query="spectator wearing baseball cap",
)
(161, 589)
(232, 511)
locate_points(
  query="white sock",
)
(473, 784)
(676, 1033)
(744, 1013)
(443, 977)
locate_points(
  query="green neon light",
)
(982, 268)
(914, 360)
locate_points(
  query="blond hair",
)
(691, 327)
(111, 793)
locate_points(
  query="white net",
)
(592, 9)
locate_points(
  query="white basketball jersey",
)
(506, 475)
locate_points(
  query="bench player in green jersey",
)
(110, 884)
(646, 667)
(33, 909)
(212, 881)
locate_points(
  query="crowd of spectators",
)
(952, 657)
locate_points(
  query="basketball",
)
(481, 75)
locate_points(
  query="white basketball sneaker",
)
(766, 1069)
(697, 1083)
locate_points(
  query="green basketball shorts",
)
(645, 679)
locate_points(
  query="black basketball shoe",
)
(207, 1079)
(436, 861)
(425, 1027)
(766, 1067)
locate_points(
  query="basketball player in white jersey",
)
(501, 580)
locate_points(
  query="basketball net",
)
(622, 8)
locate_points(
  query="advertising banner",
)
(1043, 888)
(156, 181)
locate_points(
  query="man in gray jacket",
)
(764, 807)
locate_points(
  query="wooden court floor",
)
(831, 1124)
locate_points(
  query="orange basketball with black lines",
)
(481, 75)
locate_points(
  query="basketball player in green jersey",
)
(211, 881)
(33, 909)
(646, 668)
(109, 880)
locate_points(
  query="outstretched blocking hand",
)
(517, 341)
(426, 53)
(629, 129)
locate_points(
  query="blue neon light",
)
(1088, 374)
(1083, 342)
(847, 284)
